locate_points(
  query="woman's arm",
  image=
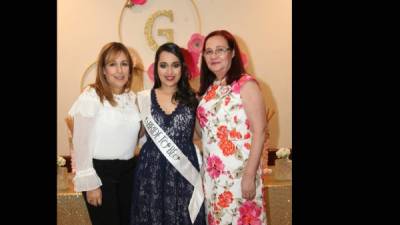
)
(84, 112)
(86, 178)
(197, 130)
(254, 107)
(141, 140)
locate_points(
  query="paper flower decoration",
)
(190, 60)
(60, 161)
(138, 2)
(150, 72)
(195, 44)
(283, 153)
(131, 3)
(244, 59)
(194, 47)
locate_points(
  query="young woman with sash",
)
(106, 124)
(168, 187)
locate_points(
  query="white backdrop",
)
(262, 27)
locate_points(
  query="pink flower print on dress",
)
(201, 116)
(235, 134)
(249, 214)
(238, 84)
(225, 89)
(214, 166)
(211, 220)
(211, 93)
(222, 132)
(247, 124)
(236, 87)
(227, 147)
(227, 100)
(225, 199)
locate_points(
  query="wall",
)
(262, 27)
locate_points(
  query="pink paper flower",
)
(249, 214)
(190, 62)
(138, 2)
(214, 166)
(195, 57)
(150, 72)
(201, 115)
(195, 43)
(244, 59)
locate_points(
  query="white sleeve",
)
(88, 104)
(84, 112)
(86, 178)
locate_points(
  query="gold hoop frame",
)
(128, 5)
(85, 73)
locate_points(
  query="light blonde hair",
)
(108, 53)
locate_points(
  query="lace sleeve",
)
(88, 104)
(86, 177)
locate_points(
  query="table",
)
(278, 200)
(71, 208)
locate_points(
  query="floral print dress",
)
(226, 139)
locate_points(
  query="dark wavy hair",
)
(185, 93)
(234, 73)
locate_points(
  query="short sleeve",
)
(87, 104)
(245, 78)
(237, 85)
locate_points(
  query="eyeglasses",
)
(218, 51)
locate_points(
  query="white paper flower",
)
(60, 161)
(283, 153)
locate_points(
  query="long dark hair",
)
(234, 73)
(184, 94)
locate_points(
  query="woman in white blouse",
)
(106, 127)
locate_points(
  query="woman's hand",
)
(248, 187)
(94, 197)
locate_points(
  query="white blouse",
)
(102, 131)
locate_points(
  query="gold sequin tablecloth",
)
(278, 200)
(71, 208)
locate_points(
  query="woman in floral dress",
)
(231, 117)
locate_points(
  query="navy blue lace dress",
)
(161, 194)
